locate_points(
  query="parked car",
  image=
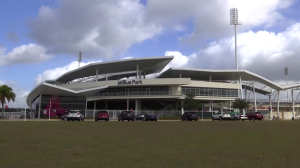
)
(126, 115)
(23, 114)
(235, 116)
(102, 115)
(221, 116)
(255, 116)
(75, 115)
(150, 117)
(140, 117)
(64, 116)
(244, 117)
(189, 116)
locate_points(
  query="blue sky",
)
(40, 39)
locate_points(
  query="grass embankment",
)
(150, 144)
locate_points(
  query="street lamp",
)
(234, 20)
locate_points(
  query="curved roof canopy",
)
(222, 75)
(147, 65)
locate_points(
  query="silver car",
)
(75, 115)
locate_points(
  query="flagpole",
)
(49, 109)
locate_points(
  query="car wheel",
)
(220, 118)
(82, 119)
(155, 120)
(122, 120)
(196, 120)
(213, 119)
(182, 119)
(107, 120)
(96, 120)
(253, 119)
(235, 118)
(243, 120)
(65, 119)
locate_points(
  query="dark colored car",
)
(150, 117)
(102, 115)
(140, 117)
(255, 116)
(23, 114)
(126, 115)
(189, 116)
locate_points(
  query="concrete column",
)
(271, 111)
(144, 75)
(105, 105)
(221, 107)
(137, 71)
(293, 103)
(209, 78)
(94, 109)
(212, 106)
(209, 105)
(127, 104)
(254, 94)
(97, 75)
(39, 110)
(179, 75)
(278, 104)
(241, 88)
(85, 107)
(182, 109)
(140, 75)
(106, 77)
(136, 106)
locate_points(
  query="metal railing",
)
(15, 115)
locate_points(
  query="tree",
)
(240, 104)
(6, 93)
(190, 103)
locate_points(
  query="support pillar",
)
(221, 107)
(293, 104)
(270, 102)
(127, 104)
(39, 110)
(179, 75)
(254, 94)
(210, 106)
(94, 109)
(209, 78)
(182, 109)
(136, 106)
(85, 107)
(137, 71)
(278, 104)
(105, 105)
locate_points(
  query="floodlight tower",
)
(234, 20)
(79, 59)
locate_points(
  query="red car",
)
(102, 115)
(255, 116)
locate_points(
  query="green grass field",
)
(150, 144)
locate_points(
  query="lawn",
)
(167, 144)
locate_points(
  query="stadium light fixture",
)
(234, 20)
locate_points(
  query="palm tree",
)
(240, 104)
(8, 94)
(190, 103)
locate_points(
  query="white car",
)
(221, 116)
(244, 117)
(75, 115)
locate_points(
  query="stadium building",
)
(140, 85)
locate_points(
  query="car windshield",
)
(74, 111)
(150, 114)
(103, 112)
(258, 113)
(127, 112)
